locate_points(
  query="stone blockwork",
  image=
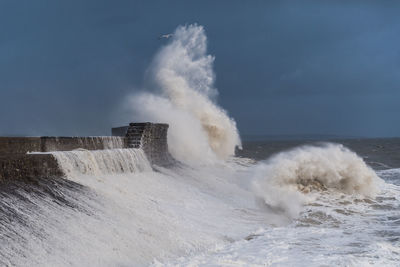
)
(19, 145)
(152, 138)
(20, 166)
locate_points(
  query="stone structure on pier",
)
(152, 138)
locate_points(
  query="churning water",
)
(292, 209)
(315, 205)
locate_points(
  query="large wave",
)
(182, 73)
(283, 181)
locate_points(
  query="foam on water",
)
(196, 216)
(335, 229)
(129, 218)
(191, 216)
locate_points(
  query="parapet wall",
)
(19, 145)
(23, 145)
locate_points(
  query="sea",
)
(276, 203)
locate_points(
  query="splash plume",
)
(183, 77)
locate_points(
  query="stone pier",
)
(18, 162)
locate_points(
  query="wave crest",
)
(283, 180)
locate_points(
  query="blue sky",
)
(283, 67)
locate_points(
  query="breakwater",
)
(30, 157)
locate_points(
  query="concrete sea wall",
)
(18, 162)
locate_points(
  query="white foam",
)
(282, 181)
(137, 217)
(96, 162)
(336, 229)
(190, 216)
(112, 142)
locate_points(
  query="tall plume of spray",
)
(182, 73)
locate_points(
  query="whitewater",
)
(313, 205)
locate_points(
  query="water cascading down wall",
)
(28, 157)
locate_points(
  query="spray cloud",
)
(183, 77)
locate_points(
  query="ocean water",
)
(272, 204)
(332, 228)
(114, 210)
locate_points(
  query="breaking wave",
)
(283, 181)
(182, 73)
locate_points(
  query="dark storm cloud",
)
(282, 66)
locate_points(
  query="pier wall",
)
(28, 166)
(18, 159)
(23, 145)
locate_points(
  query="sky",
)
(282, 67)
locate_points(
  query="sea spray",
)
(283, 181)
(182, 74)
(100, 162)
(112, 142)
